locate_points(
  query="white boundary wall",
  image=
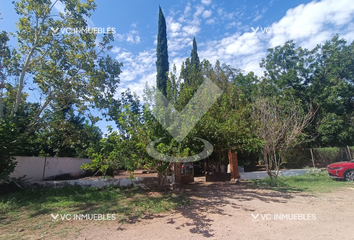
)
(282, 173)
(33, 167)
(151, 182)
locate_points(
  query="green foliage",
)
(247, 84)
(13, 184)
(68, 135)
(328, 155)
(227, 124)
(194, 55)
(297, 158)
(9, 133)
(329, 151)
(310, 182)
(108, 155)
(322, 77)
(162, 63)
(126, 203)
(71, 73)
(69, 70)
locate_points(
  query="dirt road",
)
(235, 211)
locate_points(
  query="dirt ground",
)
(224, 211)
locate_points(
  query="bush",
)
(9, 135)
(297, 158)
(328, 155)
(12, 184)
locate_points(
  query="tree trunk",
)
(268, 164)
(20, 85)
(162, 179)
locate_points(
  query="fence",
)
(39, 168)
(317, 157)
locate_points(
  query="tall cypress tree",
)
(194, 55)
(162, 64)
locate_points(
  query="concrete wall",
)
(151, 182)
(283, 173)
(33, 167)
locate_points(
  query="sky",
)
(237, 33)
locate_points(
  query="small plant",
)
(270, 182)
(311, 182)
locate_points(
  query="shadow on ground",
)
(211, 198)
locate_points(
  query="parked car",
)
(186, 168)
(341, 170)
(198, 170)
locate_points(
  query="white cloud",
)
(241, 48)
(174, 28)
(206, 2)
(207, 13)
(119, 37)
(181, 29)
(199, 11)
(233, 24)
(227, 16)
(248, 43)
(115, 49)
(187, 9)
(258, 16)
(190, 30)
(211, 21)
(131, 37)
(326, 18)
(137, 69)
(246, 50)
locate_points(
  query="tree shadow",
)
(212, 198)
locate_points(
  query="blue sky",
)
(223, 30)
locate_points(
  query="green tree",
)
(280, 124)
(107, 155)
(227, 124)
(62, 65)
(191, 71)
(162, 63)
(68, 135)
(322, 77)
(5, 55)
(194, 55)
(247, 84)
(67, 69)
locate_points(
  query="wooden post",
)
(234, 166)
(313, 161)
(177, 173)
(45, 161)
(350, 155)
(205, 168)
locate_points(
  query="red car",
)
(341, 170)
